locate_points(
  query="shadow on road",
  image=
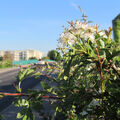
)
(27, 83)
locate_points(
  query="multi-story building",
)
(2, 53)
(24, 54)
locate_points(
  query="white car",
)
(41, 62)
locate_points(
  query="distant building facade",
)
(24, 54)
(2, 53)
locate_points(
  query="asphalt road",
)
(6, 80)
(8, 77)
(11, 111)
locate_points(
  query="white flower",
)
(92, 29)
(84, 30)
(66, 38)
(102, 33)
(80, 25)
(92, 37)
(88, 35)
(102, 43)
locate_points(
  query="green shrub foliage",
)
(87, 85)
(54, 55)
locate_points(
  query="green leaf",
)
(1, 96)
(37, 75)
(65, 77)
(45, 85)
(29, 71)
(26, 114)
(25, 73)
(21, 113)
(21, 103)
(1, 117)
(25, 118)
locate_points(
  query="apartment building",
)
(2, 53)
(24, 54)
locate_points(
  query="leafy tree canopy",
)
(8, 56)
(54, 55)
(31, 58)
(1, 58)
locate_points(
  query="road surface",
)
(6, 85)
(7, 77)
(11, 111)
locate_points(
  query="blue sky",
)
(37, 24)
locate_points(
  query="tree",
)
(54, 55)
(32, 58)
(8, 56)
(1, 58)
(45, 58)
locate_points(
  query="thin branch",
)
(113, 66)
(101, 73)
(27, 95)
(13, 94)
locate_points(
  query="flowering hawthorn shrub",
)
(78, 29)
(87, 85)
(90, 80)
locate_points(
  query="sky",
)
(37, 24)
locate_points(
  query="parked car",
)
(42, 62)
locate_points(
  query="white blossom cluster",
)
(82, 29)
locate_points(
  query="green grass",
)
(5, 64)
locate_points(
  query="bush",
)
(87, 85)
(32, 58)
(54, 55)
(5, 64)
(1, 58)
(45, 58)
